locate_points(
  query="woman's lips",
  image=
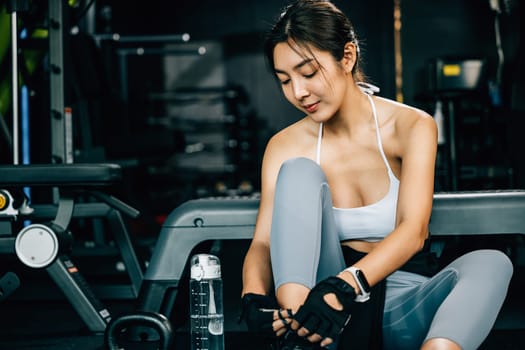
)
(312, 107)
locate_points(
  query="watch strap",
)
(362, 283)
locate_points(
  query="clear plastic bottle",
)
(206, 303)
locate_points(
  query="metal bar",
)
(14, 76)
(64, 212)
(71, 283)
(196, 221)
(175, 244)
(143, 51)
(7, 245)
(80, 210)
(478, 213)
(121, 236)
(169, 38)
(56, 81)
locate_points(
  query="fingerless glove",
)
(318, 317)
(257, 312)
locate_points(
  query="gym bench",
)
(225, 218)
(46, 245)
(192, 223)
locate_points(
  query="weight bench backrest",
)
(62, 175)
(199, 220)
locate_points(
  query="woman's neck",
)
(354, 114)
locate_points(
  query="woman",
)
(346, 197)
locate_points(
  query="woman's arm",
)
(257, 272)
(415, 143)
(417, 139)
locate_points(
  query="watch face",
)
(363, 281)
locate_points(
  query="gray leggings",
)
(459, 303)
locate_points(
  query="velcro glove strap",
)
(257, 312)
(319, 317)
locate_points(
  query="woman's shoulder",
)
(404, 116)
(406, 125)
(295, 136)
(295, 140)
(402, 110)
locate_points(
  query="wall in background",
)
(466, 29)
(241, 25)
(430, 29)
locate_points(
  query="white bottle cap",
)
(205, 266)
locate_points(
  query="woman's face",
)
(312, 80)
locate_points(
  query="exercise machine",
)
(46, 245)
(233, 218)
(40, 235)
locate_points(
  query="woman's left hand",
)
(325, 312)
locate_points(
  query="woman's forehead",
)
(288, 56)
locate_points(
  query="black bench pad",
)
(82, 174)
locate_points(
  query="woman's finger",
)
(314, 338)
(281, 332)
(326, 342)
(302, 332)
(281, 323)
(295, 325)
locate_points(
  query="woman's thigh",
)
(458, 303)
(304, 243)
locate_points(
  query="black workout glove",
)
(257, 312)
(318, 317)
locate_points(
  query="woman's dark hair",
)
(314, 22)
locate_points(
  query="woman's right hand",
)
(262, 315)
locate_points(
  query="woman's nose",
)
(299, 90)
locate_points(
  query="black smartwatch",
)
(362, 283)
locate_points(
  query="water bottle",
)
(206, 307)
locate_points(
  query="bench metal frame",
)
(210, 219)
(200, 220)
(66, 180)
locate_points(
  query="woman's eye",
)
(311, 75)
(284, 82)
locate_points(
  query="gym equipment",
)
(225, 218)
(146, 319)
(9, 282)
(46, 245)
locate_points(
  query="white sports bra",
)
(371, 222)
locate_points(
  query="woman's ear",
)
(349, 57)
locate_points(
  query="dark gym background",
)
(188, 117)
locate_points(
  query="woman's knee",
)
(489, 270)
(502, 266)
(490, 260)
(502, 262)
(294, 170)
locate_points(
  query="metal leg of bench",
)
(67, 277)
(129, 257)
(173, 249)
